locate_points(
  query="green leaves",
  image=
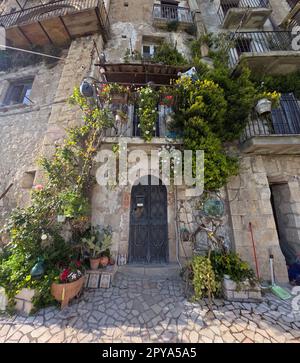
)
(232, 265)
(204, 281)
(147, 111)
(169, 55)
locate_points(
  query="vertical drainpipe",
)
(177, 235)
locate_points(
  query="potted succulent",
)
(96, 245)
(93, 249)
(69, 283)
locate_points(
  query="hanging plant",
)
(147, 111)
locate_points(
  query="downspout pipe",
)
(176, 227)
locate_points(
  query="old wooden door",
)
(148, 236)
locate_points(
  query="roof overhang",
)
(143, 73)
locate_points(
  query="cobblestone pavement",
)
(151, 310)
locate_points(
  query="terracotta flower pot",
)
(104, 260)
(65, 292)
(94, 263)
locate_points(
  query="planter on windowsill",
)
(243, 291)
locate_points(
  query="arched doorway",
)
(148, 234)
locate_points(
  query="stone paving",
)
(138, 309)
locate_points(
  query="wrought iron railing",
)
(295, 20)
(172, 13)
(284, 120)
(225, 6)
(258, 42)
(53, 9)
(130, 125)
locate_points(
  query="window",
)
(19, 93)
(149, 51)
(169, 9)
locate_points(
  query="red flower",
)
(38, 187)
(169, 97)
(77, 263)
(64, 275)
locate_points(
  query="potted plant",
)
(69, 283)
(105, 236)
(93, 249)
(96, 245)
(167, 100)
(267, 101)
(105, 258)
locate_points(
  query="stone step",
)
(151, 271)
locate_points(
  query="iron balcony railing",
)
(53, 9)
(130, 125)
(259, 42)
(295, 20)
(225, 6)
(172, 13)
(284, 120)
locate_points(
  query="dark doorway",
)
(148, 235)
(285, 222)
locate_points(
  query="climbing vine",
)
(34, 231)
(148, 114)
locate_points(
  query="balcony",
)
(165, 15)
(56, 22)
(268, 52)
(128, 124)
(252, 14)
(275, 133)
(293, 18)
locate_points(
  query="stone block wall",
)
(130, 24)
(22, 131)
(250, 201)
(79, 63)
(111, 206)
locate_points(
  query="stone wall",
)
(130, 24)
(31, 131)
(22, 131)
(111, 206)
(79, 63)
(250, 194)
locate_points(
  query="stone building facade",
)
(270, 167)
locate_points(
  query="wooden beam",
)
(66, 29)
(25, 36)
(47, 35)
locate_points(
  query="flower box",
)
(244, 291)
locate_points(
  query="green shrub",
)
(169, 55)
(231, 264)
